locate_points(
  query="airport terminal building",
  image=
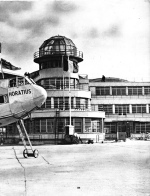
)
(97, 105)
(126, 105)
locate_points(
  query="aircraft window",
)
(6, 99)
(12, 82)
(20, 81)
(1, 99)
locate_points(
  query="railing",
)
(122, 96)
(68, 52)
(65, 107)
(66, 88)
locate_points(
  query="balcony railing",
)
(68, 52)
(65, 107)
(65, 88)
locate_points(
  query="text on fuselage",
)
(20, 92)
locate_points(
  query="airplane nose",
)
(39, 95)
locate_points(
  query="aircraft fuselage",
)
(18, 99)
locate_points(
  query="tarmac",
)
(108, 169)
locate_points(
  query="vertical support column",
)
(74, 102)
(113, 109)
(126, 90)
(147, 108)
(110, 90)
(89, 104)
(130, 109)
(102, 125)
(83, 125)
(52, 102)
(142, 90)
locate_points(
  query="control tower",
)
(69, 98)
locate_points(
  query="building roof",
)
(58, 41)
(108, 79)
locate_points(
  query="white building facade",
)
(126, 105)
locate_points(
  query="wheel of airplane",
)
(35, 153)
(25, 153)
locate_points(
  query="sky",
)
(114, 35)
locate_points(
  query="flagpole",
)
(69, 94)
(1, 66)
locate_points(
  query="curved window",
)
(59, 83)
(51, 64)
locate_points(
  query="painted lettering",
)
(20, 92)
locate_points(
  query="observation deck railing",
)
(66, 88)
(72, 51)
(65, 107)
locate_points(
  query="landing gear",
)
(27, 152)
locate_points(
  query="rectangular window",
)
(37, 125)
(139, 108)
(88, 125)
(106, 108)
(77, 102)
(48, 102)
(118, 90)
(66, 103)
(110, 127)
(60, 125)
(78, 125)
(56, 102)
(101, 91)
(146, 90)
(142, 128)
(43, 125)
(122, 109)
(94, 125)
(50, 125)
(134, 90)
(21, 81)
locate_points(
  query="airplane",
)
(19, 96)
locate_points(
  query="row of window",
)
(63, 103)
(50, 125)
(128, 127)
(129, 90)
(123, 109)
(58, 64)
(58, 83)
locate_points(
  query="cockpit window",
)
(12, 82)
(20, 81)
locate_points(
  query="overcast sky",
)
(114, 35)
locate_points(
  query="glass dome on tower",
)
(58, 45)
